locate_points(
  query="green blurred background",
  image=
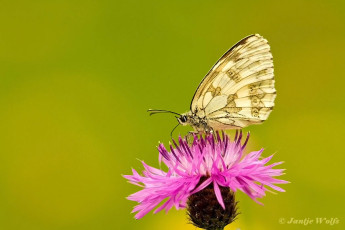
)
(76, 79)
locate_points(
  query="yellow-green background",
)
(76, 78)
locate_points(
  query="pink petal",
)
(218, 194)
(203, 185)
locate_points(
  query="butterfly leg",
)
(210, 131)
(190, 136)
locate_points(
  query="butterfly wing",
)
(239, 89)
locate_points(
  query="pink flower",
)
(210, 160)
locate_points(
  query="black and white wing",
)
(239, 90)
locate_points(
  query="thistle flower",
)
(203, 176)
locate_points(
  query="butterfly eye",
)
(183, 118)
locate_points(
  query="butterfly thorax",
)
(198, 121)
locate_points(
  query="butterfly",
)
(237, 92)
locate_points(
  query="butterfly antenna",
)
(173, 130)
(155, 111)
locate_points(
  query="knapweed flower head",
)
(209, 162)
